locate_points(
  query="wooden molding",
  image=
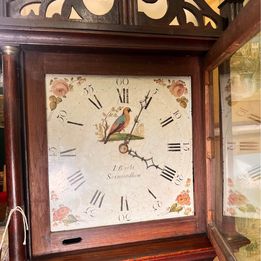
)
(193, 247)
(222, 249)
(244, 27)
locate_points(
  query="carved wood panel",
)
(122, 12)
(112, 17)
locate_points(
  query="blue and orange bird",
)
(120, 123)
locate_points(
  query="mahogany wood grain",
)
(244, 27)
(45, 242)
(210, 153)
(222, 248)
(194, 247)
(14, 172)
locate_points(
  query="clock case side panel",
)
(42, 240)
(36, 149)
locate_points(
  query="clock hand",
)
(143, 105)
(148, 162)
(166, 172)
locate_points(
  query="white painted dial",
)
(120, 149)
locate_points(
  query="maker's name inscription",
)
(123, 171)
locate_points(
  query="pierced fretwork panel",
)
(180, 13)
(184, 13)
(66, 10)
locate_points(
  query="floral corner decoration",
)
(183, 201)
(177, 88)
(62, 214)
(60, 88)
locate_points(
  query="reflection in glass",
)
(241, 149)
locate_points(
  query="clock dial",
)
(120, 149)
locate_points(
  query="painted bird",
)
(120, 123)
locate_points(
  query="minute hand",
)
(143, 105)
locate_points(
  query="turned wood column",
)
(12, 117)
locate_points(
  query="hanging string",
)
(25, 224)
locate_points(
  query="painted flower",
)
(60, 213)
(183, 198)
(60, 88)
(236, 198)
(178, 88)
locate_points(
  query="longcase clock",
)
(114, 151)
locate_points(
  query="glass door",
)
(233, 138)
(238, 136)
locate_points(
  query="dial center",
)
(123, 148)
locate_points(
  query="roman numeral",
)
(124, 204)
(97, 198)
(255, 173)
(76, 180)
(68, 153)
(168, 173)
(248, 145)
(244, 146)
(251, 116)
(75, 123)
(166, 121)
(152, 194)
(123, 95)
(174, 147)
(170, 119)
(254, 117)
(95, 102)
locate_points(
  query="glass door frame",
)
(241, 30)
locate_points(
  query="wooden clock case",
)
(45, 242)
(124, 42)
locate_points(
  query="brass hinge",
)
(210, 216)
(210, 148)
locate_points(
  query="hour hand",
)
(167, 173)
(147, 161)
